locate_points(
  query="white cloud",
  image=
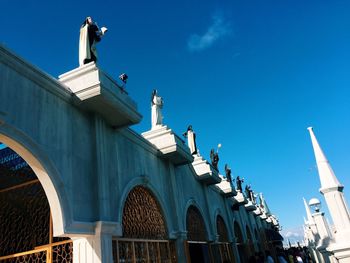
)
(292, 234)
(218, 29)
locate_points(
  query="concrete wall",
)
(87, 168)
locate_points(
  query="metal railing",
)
(51, 253)
(143, 250)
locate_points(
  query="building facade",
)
(78, 185)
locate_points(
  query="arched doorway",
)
(25, 218)
(222, 250)
(197, 246)
(240, 243)
(145, 237)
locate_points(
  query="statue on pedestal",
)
(156, 105)
(249, 192)
(261, 202)
(191, 139)
(228, 174)
(90, 34)
(239, 182)
(254, 196)
(214, 157)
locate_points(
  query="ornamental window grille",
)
(241, 247)
(144, 231)
(142, 217)
(196, 230)
(222, 250)
(25, 224)
(249, 242)
(238, 233)
(222, 230)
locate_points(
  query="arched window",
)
(258, 240)
(221, 250)
(142, 217)
(249, 242)
(222, 230)
(196, 230)
(25, 221)
(240, 243)
(144, 231)
(197, 246)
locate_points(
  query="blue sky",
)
(251, 75)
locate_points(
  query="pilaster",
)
(95, 248)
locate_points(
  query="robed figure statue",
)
(191, 139)
(156, 105)
(239, 182)
(249, 192)
(90, 34)
(214, 157)
(228, 174)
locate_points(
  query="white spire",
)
(308, 213)
(327, 176)
(265, 207)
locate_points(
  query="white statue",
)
(191, 139)
(90, 34)
(157, 105)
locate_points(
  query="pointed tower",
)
(310, 230)
(332, 190)
(308, 213)
(264, 205)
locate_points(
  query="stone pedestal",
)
(323, 237)
(322, 226)
(226, 188)
(95, 91)
(263, 216)
(205, 171)
(240, 198)
(341, 251)
(257, 211)
(250, 206)
(169, 144)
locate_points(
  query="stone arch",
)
(144, 229)
(197, 245)
(46, 173)
(190, 203)
(238, 232)
(139, 222)
(222, 229)
(248, 233)
(222, 249)
(257, 239)
(240, 242)
(249, 241)
(144, 182)
(195, 225)
(215, 218)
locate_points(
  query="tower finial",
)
(327, 176)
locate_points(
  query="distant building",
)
(78, 185)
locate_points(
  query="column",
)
(95, 248)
